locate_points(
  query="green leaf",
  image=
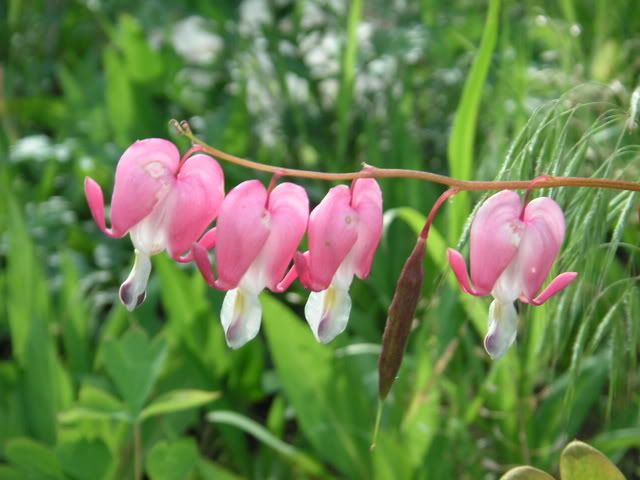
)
(463, 131)
(173, 461)
(330, 404)
(134, 363)
(85, 459)
(74, 322)
(95, 404)
(119, 97)
(347, 81)
(526, 473)
(580, 461)
(143, 64)
(298, 458)
(208, 470)
(39, 385)
(33, 460)
(8, 473)
(176, 401)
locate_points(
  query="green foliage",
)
(578, 461)
(474, 89)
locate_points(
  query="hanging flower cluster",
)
(165, 202)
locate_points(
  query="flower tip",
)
(133, 290)
(492, 347)
(503, 328)
(128, 297)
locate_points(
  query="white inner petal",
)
(133, 290)
(240, 316)
(150, 234)
(509, 285)
(327, 312)
(503, 327)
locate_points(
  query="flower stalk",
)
(375, 172)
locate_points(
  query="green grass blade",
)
(298, 458)
(345, 95)
(461, 142)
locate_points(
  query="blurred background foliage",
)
(90, 391)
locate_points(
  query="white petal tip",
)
(503, 327)
(240, 316)
(327, 313)
(133, 291)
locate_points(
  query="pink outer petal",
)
(495, 236)
(289, 210)
(459, 267)
(287, 280)
(145, 174)
(243, 228)
(208, 241)
(194, 202)
(95, 199)
(201, 256)
(558, 284)
(367, 201)
(540, 244)
(333, 231)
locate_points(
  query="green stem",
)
(376, 427)
(374, 172)
(137, 452)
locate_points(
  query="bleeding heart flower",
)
(163, 202)
(512, 251)
(344, 232)
(257, 235)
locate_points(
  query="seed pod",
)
(401, 312)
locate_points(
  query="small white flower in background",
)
(298, 87)
(33, 147)
(40, 148)
(632, 123)
(322, 53)
(253, 14)
(194, 42)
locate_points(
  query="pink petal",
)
(208, 241)
(287, 280)
(459, 267)
(301, 268)
(145, 174)
(333, 230)
(547, 209)
(289, 210)
(495, 237)
(201, 257)
(366, 199)
(195, 201)
(243, 228)
(95, 199)
(558, 284)
(540, 244)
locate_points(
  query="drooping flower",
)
(513, 248)
(163, 202)
(344, 233)
(257, 234)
